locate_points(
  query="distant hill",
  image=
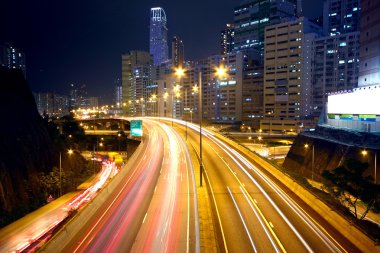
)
(25, 147)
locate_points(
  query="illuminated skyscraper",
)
(341, 16)
(369, 70)
(135, 77)
(252, 16)
(158, 38)
(227, 39)
(12, 58)
(178, 52)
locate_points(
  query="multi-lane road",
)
(152, 207)
(252, 212)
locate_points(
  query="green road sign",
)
(136, 128)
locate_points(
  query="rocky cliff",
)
(25, 147)
(331, 148)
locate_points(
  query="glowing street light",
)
(153, 98)
(179, 72)
(365, 153)
(221, 72)
(312, 160)
(70, 152)
(177, 94)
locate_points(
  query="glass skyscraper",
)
(158, 36)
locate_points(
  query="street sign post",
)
(136, 128)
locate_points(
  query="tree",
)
(348, 184)
(72, 132)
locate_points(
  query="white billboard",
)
(365, 100)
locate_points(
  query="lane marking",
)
(261, 214)
(256, 210)
(214, 200)
(242, 219)
(144, 218)
(306, 245)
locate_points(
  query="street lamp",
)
(165, 96)
(175, 93)
(180, 72)
(142, 107)
(312, 160)
(70, 151)
(365, 153)
(153, 98)
(220, 73)
(118, 137)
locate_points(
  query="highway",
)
(152, 207)
(252, 212)
(23, 233)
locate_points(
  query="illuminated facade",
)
(341, 16)
(136, 78)
(251, 18)
(52, 104)
(118, 95)
(12, 58)
(288, 75)
(227, 39)
(252, 95)
(359, 109)
(178, 52)
(369, 69)
(335, 68)
(158, 39)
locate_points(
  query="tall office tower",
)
(221, 97)
(287, 75)
(136, 76)
(12, 57)
(369, 69)
(358, 109)
(52, 104)
(227, 39)
(178, 52)
(251, 18)
(341, 16)
(77, 96)
(158, 36)
(335, 67)
(252, 92)
(118, 96)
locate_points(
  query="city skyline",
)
(82, 44)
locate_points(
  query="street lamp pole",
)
(158, 107)
(60, 174)
(312, 160)
(200, 127)
(312, 163)
(185, 107)
(172, 108)
(375, 177)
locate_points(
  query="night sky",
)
(81, 41)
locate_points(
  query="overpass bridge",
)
(105, 126)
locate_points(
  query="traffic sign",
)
(136, 128)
